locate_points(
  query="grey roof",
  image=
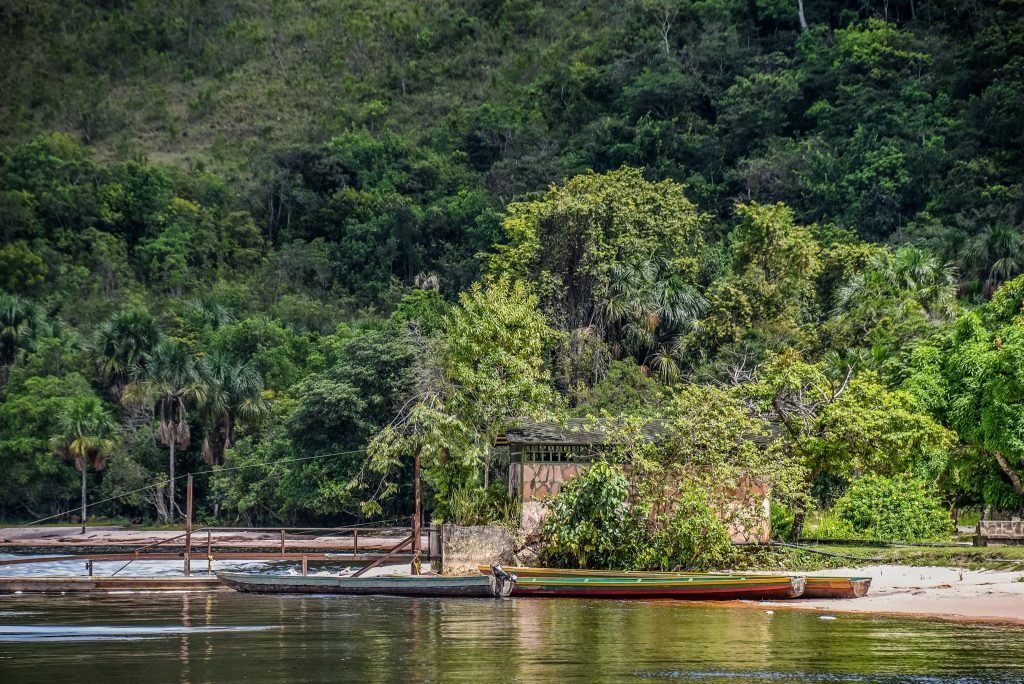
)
(579, 431)
(590, 431)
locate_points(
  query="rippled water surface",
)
(228, 637)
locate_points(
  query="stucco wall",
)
(535, 481)
(465, 548)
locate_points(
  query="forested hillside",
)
(297, 241)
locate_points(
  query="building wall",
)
(463, 549)
(535, 481)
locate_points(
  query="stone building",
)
(543, 455)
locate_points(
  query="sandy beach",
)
(947, 593)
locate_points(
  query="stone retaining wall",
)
(465, 548)
(1003, 529)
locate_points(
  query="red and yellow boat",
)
(819, 586)
(595, 584)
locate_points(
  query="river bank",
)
(934, 592)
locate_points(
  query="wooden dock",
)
(63, 585)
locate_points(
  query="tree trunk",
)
(799, 518)
(1010, 473)
(800, 12)
(170, 485)
(83, 499)
(5, 372)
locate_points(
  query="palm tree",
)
(87, 434)
(234, 392)
(652, 310)
(931, 281)
(19, 319)
(121, 346)
(998, 253)
(170, 382)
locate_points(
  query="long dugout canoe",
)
(820, 586)
(696, 588)
(395, 585)
(62, 585)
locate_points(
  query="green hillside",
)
(255, 234)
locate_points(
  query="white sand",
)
(940, 592)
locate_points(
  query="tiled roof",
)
(586, 431)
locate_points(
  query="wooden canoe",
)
(694, 588)
(816, 586)
(393, 585)
(836, 587)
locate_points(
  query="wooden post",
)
(188, 527)
(282, 543)
(305, 566)
(209, 552)
(355, 542)
(418, 517)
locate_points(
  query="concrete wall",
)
(1005, 530)
(465, 548)
(535, 481)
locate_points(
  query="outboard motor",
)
(501, 582)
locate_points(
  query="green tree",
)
(771, 283)
(233, 393)
(615, 252)
(122, 345)
(902, 507)
(333, 412)
(844, 425)
(170, 383)
(483, 370)
(23, 270)
(19, 319)
(897, 297)
(88, 433)
(996, 254)
(972, 379)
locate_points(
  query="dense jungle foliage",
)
(292, 243)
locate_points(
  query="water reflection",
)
(234, 637)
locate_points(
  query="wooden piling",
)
(188, 527)
(418, 517)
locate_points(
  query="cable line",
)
(219, 469)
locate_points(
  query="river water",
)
(229, 637)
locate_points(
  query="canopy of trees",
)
(292, 244)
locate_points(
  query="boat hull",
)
(837, 587)
(680, 590)
(583, 584)
(814, 587)
(473, 587)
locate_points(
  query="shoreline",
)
(930, 592)
(945, 593)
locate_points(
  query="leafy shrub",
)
(894, 508)
(591, 524)
(473, 505)
(831, 526)
(781, 517)
(691, 538)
